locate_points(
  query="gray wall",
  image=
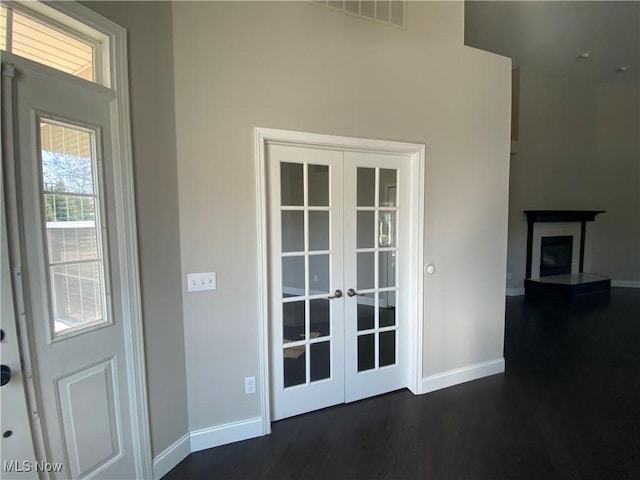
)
(577, 150)
(616, 242)
(149, 28)
(302, 67)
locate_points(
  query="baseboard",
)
(227, 433)
(461, 375)
(171, 457)
(625, 283)
(515, 292)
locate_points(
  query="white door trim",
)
(416, 152)
(126, 218)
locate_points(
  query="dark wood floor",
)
(568, 407)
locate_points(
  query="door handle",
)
(352, 293)
(6, 375)
(336, 294)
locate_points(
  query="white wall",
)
(303, 67)
(578, 150)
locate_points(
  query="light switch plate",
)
(197, 282)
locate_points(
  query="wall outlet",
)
(250, 385)
(508, 275)
(197, 282)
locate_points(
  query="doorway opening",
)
(340, 246)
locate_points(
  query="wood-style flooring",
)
(567, 407)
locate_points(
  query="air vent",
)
(389, 12)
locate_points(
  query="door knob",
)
(6, 375)
(336, 294)
(352, 293)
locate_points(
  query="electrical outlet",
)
(197, 282)
(508, 275)
(250, 385)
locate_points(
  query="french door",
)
(338, 223)
(69, 244)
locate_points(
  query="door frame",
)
(416, 153)
(117, 79)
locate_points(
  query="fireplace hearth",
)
(556, 257)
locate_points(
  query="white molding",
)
(127, 230)
(417, 154)
(626, 283)
(171, 456)
(514, 292)
(461, 375)
(227, 433)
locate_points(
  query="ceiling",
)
(551, 35)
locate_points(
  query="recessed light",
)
(584, 55)
(622, 69)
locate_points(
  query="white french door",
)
(70, 246)
(338, 233)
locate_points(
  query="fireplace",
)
(556, 257)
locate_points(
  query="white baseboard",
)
(515, 292)
(625, 283)
(461, 375)
(171, 457)
(227, 433)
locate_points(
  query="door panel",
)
(335, 225)
(17, 445)
(306, 256)
(375, 202)
(70, 249)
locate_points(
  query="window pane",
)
(43, 44)
(3, 27)
(320, 361)
(292, 276)
(387, 269)
(318, 185)
(72, 218)
(318, 274)
(366, 229)
(365, 261)
(387, 348)
(388, 185)
(319, 311)
(67, 164)
(366, 312)
(291, 184)
(293, 320)
(292, 231)
(387, 309)
(318, 230)
(77, 293)
(366, 187)
(69, 243)
(366, 352)
(294, 366)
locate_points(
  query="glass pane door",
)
(307, 331)
(375, 202)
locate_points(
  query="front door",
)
(70, 250)
(337, 239)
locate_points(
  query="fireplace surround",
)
(556, 256)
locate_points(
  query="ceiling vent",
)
(389, 12)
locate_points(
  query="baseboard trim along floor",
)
(461, 375)
(171, 457)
